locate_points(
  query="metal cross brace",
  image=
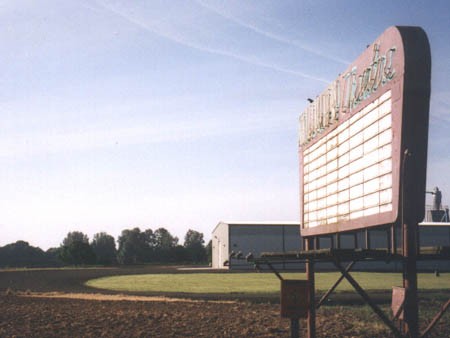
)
(366, 297)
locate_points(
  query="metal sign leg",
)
(312, 302)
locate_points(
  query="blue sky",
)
(180, 114)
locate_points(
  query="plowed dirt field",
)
(55, 303)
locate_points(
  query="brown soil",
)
(55, 303)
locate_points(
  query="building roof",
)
(435, 224)
(258, 223)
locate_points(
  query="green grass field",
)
(256, 283)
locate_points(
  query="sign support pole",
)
(310, 277)
(411, 307)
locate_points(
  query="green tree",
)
(149, 247)
(179, 254)
(164, 239)
(194, 245)
(75, 249)
(135, 246)
(193, 238)
(208, 250)
(53, 256)
(22, 254)
(75, 236)
(165, 245)
(104, 247)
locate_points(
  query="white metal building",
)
(254, 237)
(257, 237)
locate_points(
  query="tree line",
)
(133, 247)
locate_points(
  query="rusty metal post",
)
(411, 307)
(367, 238)
(310, 277)
(409, 215)
(389, 239)
(393, 249)
(413, 166)
(338, 240)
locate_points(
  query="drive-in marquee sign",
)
(365, 137)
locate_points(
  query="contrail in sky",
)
(270, 35)
(193, 45)
(14, 146)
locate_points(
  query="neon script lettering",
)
(345, 94)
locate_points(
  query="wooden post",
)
(295, 328)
